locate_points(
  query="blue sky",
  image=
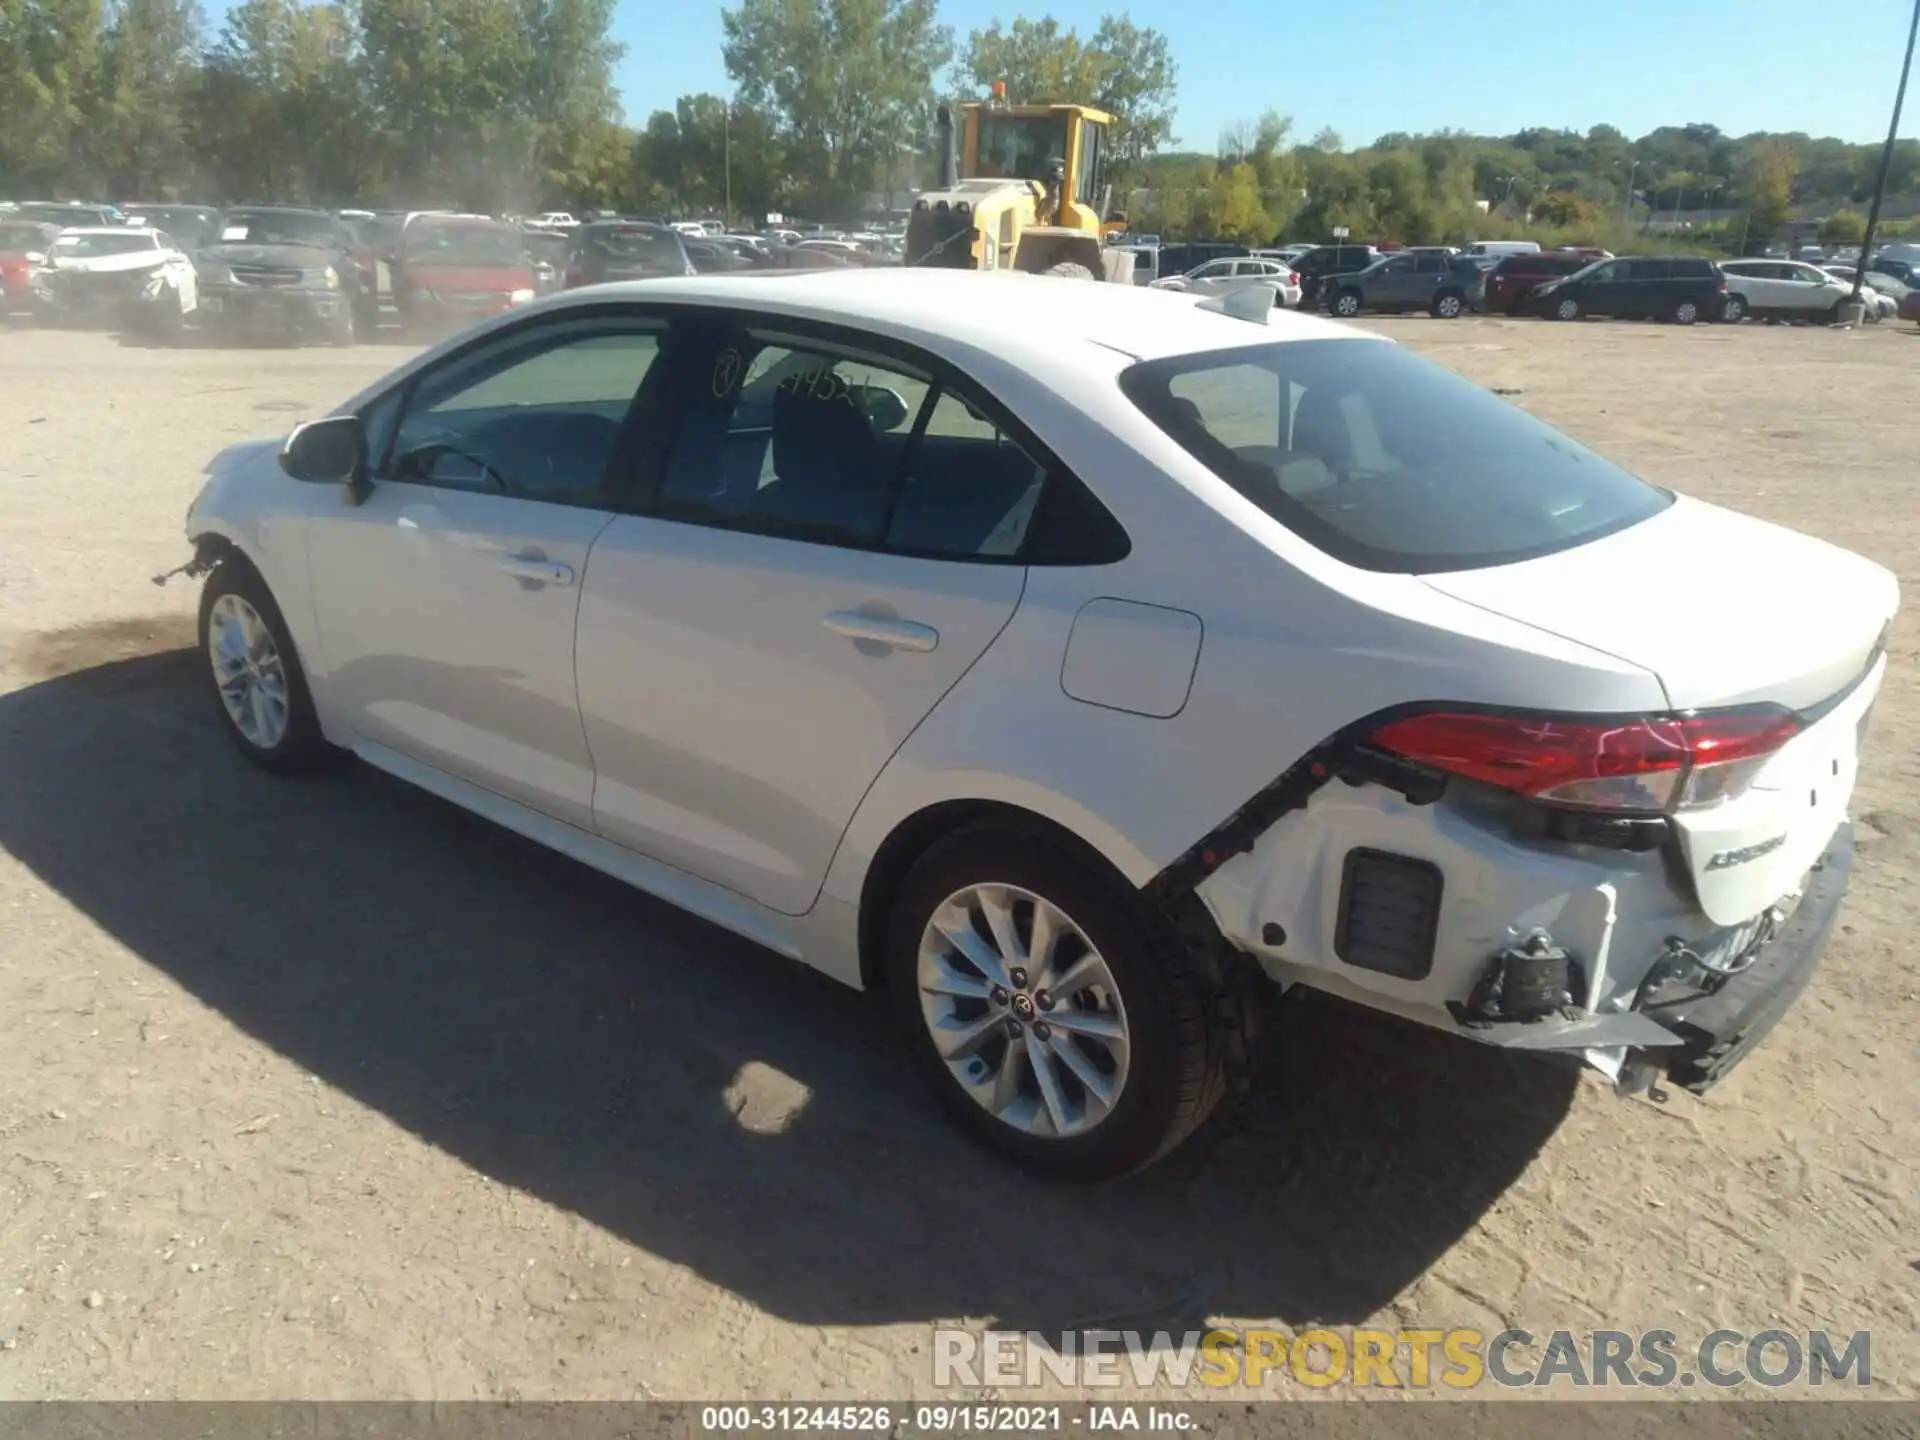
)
(1491, 67)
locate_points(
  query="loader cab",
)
(1032, 142)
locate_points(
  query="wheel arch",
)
(916, 834)
(217, 540)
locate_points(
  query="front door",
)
(835, 540)
(1394, 283)
(1606, 290)
(446, 602)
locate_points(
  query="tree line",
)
(509, 105)
(1595, 187)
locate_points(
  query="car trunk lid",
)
(1727, 611)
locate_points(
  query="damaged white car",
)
(1070, 660)
(115, 274)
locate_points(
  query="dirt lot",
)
(326, 1090)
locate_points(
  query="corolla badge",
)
(1727, 859)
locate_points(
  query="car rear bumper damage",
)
(1719, 1028)
(1430, 908)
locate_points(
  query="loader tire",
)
(1072, 270)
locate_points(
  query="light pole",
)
(1886, 160)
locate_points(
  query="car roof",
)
(146, 230)
(1026, 319)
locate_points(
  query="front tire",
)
(1053, 1012)
(1735, 311)
(259, 689)
(1566, 308)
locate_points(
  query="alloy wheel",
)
(248, 670)
(1023, 1010)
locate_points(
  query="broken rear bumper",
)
(1719, 1030)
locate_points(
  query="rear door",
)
(1429, 271)
(834, 538)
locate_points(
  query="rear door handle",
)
(894, 634)
(541, 572)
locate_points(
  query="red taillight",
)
(1654, 763)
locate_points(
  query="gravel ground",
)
(327, 1090)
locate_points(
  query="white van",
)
(1503, 247)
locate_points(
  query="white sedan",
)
(1072, 660)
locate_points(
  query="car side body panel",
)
(998, 737)
(249, 503)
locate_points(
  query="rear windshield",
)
(492, 246)
(639, 244)
(1384, 460)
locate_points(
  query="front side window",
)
(1385, 460)
(535, 416)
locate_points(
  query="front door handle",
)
(541, 572)
(894, 634)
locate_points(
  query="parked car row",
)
(304, 273)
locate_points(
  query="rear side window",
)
(1384, 460)
(1692, 269)
(815, 442)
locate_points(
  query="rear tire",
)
(259, 688)
(1447, 306)
(1146, 1029)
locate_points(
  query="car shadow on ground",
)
(626, 1062)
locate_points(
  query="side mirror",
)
(885, 409)
(327, 452)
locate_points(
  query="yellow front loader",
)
(1026, 190)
